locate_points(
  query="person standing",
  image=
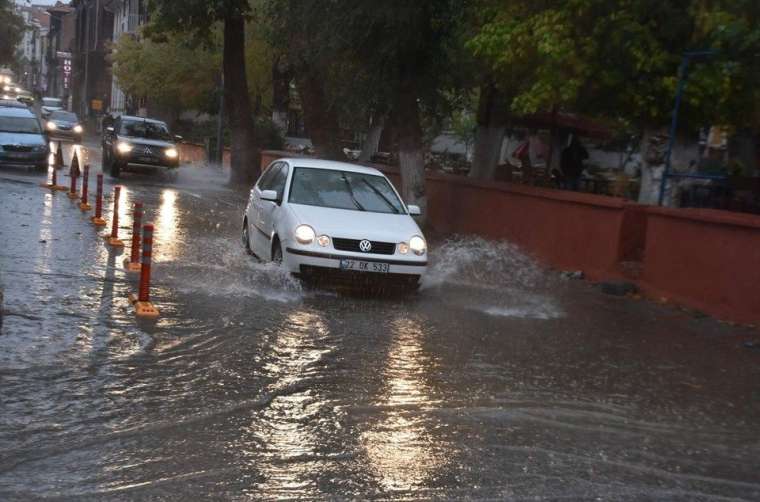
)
(571, 163)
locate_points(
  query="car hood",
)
(51, 108)
(18, 138)
(349, 224)
(147, 142)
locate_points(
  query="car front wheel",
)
(277, 252)
(246, 240)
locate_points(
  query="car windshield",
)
(20, 124)
(64, 116)
(145, 129)
(52, 102)
(344, 190)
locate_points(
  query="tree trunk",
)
(281, 78)
(492, 121)
(410, 155)
(245, 153)
(652, 165)
(372, 141)
(319, 117)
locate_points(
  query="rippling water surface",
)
(498, 380)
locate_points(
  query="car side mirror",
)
(110, 130)
(270, 195)
(177, 137)
(414, 210)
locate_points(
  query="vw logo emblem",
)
(365, 246)
(148, 151)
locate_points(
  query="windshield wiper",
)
(351, 192)
(382, 196)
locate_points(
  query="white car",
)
(333, 220)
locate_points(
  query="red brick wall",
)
(706, 259)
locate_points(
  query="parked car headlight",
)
(418, 245)
(403, 248)
(51, 126)
(7, 88)
(123, 147)
(171, 153)
(78, 129)
(305, 234)
(39, 148)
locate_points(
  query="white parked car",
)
(333, 220)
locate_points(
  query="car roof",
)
(16, 112)
(133, 117)
(11, 103)
(330, 164)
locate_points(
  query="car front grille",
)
(17, 148)
(353, 246)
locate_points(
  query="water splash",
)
(492, 277)
(486, 264)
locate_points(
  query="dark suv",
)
(137, 141)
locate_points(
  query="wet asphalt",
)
(497, 381)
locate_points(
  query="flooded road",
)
(497, 381)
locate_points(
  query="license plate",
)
(365, 266)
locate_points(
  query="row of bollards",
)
(133, 263)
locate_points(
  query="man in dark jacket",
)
(571, 163)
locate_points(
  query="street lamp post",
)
(683, 73)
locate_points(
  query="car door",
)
(258, 235)
(269, 209)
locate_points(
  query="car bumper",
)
(61, 134)
(24, 160)
(298, 259)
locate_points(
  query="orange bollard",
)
(73, 188)
(143, 306)
(98, 220)
(132, 263)
(84, 205)
(53, 185)
(113, 239)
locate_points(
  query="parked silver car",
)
(23, 142)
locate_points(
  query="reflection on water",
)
(400, 449)
(289, 426)
(166, 223)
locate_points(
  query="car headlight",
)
(78, 129)
(51, 126)
(123, 147)
(323, 241)
(171, 153)
(418, 245)
(7, 88)
(305, 234)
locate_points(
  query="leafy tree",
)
(198, 18)
(619, 59)
(11, 33)
(174, 72)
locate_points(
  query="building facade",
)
(128, 16)
(91, 76)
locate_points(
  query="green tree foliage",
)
(620, 58)
(198, 18)
(11, 32)
(174, 72)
